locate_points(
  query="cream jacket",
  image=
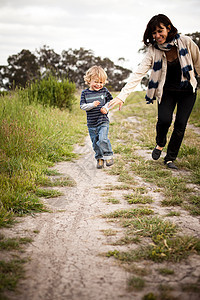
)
(147, 64)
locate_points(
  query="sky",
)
(110, 28)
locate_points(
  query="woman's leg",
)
(165, 114)
(185, 104)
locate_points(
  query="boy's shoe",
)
(100, 163)
(171, 165)
(156, 153)
(109, 162)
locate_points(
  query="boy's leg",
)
(93, 132)
(103, 141)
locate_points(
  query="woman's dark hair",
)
(151, 26)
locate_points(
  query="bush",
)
(52, 92)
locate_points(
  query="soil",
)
(66, 261)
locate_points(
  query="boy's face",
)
(96, 84)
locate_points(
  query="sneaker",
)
(100, 163)
(156, 153)
(171, 165)
(109, 162)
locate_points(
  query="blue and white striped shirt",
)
(94, 116)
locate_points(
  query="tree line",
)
(26, 67)
(71, 64)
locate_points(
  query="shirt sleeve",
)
(137, 76)
(84, 105)
(195, 56)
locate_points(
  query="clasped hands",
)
(112, 104)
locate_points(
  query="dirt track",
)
(64, 257)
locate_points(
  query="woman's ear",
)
(169, 28)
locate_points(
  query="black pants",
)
(185, 102)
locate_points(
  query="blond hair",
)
(95, 71)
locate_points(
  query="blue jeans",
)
(100, 141)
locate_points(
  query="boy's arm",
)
(87, 106)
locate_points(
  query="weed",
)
(135, 199)
(13, 243)
(149, 296)
(129, 213)
(113, 200)
(173, 214)
(128, 240)
(109, 232)
(165, 271)
(47, 193)
(10, 273)
(136, 283)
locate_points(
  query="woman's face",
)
(160, 34)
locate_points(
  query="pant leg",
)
(103, 141)
(165, 115)
(93, 132)
(185, 103)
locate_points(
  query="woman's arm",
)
(134, 80)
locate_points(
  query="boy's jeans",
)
(100, 141)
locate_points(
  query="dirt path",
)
(64, 257)
(65, 261)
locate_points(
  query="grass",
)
(10, 273)
(13, 243)
(135, 199)
(32, 139)
(136, 283)
(129, 164)
(155, 239)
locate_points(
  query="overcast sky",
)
(111, 28)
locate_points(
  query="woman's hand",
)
(115, 102)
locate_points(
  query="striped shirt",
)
(94, 116)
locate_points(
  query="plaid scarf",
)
(185, 62)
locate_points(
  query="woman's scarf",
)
(185, 62)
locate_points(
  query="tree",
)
(21, 69)
(72, 64)
(49, 61)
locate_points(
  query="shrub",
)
(51, 92)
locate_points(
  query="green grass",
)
(129, 213)
(136, 283)
(13, 243)
(128, 163)
(47, 193)
(135, 199)
(113, 200)
(10, 273)
(32, 139)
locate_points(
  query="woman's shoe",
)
(156, 153)
(171, 165)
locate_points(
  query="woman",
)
(175, 61)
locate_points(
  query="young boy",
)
(94, 100)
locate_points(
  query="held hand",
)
(96, 103)
(115, 102)
(103, 110)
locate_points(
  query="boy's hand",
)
(103, 110)
(96, 103)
